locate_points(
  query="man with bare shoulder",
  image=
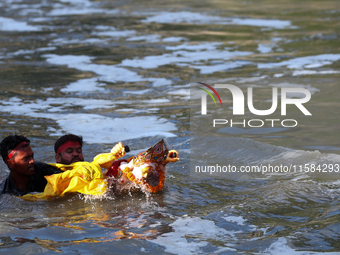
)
(26, 175)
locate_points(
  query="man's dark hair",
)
(68, 137)
(9, 143)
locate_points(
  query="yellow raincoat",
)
(82, 177)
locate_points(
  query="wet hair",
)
(68, 137)
(9, 143)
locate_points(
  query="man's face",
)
(22, 163)
(70, 154)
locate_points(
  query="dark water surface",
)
(121, 70)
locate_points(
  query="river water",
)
(122, 71)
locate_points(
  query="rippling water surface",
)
(120, 71)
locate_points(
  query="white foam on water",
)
(313, 72)
(269, 23)
(265, 47)
(107, 73)
(281, 247)
(16, 6)
(250, 79)
(82, 2)
(276, 39)
(21, 52)
(184, 93)
(147, 38)
(137, 222)
(138, 92)
(323, 147)
(209, 69)
(103, 27)
(84, 85)
(115, 33)
(138, 111)
(93, 127)
(174, 39)
(159, 82)
(241, 221)
(196, 47)
(66, 41)
(8, 24)
(47, 90)
(198, 18)
(46, 48)
(180, 17)
(79, 8)
(193, 228)
(155, 101)
(183, 57)
(33, 9)
(151, 61)
(304, 62)
(40, 19)
(112, 32)
(30, 52)
(237, 219)
(40, 107)
(181, 90)
(100, 129)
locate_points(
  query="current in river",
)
(127, 71)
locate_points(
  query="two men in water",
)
(26, 174)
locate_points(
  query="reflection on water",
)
(114, 71)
